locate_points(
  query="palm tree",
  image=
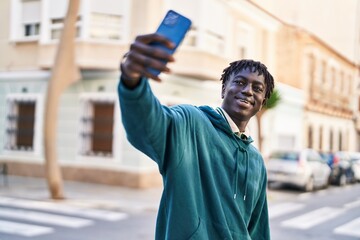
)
(63, 74)
(272, 102)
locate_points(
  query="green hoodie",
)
(214, 181)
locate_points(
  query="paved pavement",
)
(85, 194)
(97, 195)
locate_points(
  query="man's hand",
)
(142, 56)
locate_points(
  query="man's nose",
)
(247, 89)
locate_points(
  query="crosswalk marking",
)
(58, 208)
(353, 204)
(284, 208)
(46, 218)
(351, 228)
(313, 218)
(26, 230)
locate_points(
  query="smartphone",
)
(174, 26)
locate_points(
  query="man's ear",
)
(222, 91)
(263, 102)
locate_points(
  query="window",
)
(321, 138)
(20, 125)
(311, 69)
(310, 137)
(31, 29)
(244, 40)
(340, 142)
(323, 71)
(331, 146)
(190, 38)
(30, 18)
(214, 42)
(97, 128)
(242, 52)
(342, 82)
(350, 82)
(332, 77)
(106, 26)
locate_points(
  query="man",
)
(214, 179)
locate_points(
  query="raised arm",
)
(148, 124)
(143, 55)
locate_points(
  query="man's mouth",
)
(247, 102)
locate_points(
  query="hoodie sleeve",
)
(147, 123)
(259, 221)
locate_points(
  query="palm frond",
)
(274, 100)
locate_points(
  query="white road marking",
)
(284, 208)
(60, 208)
(352, 204)
(46, 218)
(304, 196)
(350, 229)
(313, 218)
(26, 230)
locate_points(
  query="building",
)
(91, 142)
(329, 82)
(329, 67)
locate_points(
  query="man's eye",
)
(258, 89)
(240, 82)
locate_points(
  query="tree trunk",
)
(64, 73)
(259, 127)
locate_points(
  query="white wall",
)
(337, 22)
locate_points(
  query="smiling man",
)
(214, 179)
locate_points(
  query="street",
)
(332, 213)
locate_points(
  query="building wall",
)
(206, 51)
(215, 40)
(342, 33)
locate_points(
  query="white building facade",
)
(91, 142)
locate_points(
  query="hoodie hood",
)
(241, 143)
(221, 123)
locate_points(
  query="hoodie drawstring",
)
(220, 111)
(237, 172)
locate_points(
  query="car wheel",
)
(342, 180)
(309, 185)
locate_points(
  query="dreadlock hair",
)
(253, 66)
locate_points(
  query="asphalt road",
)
(331, 214)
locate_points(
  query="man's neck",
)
(231, 122)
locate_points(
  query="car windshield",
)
(287, 156)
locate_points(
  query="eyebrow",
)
(243, 77)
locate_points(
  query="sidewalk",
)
(85, 194)
(97, 195)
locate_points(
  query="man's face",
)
(243, 95)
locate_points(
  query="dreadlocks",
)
(254, 66)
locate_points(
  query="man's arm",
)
(145, 120)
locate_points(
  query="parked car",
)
(342, 171)
(355, 163)
(305, 169)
